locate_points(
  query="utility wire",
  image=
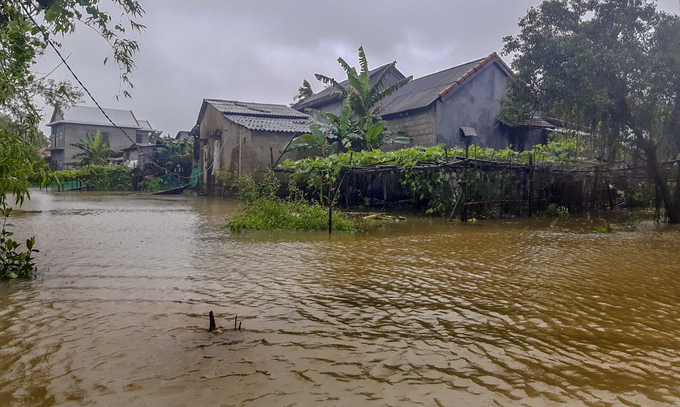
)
(73, 73)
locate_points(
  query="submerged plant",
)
(14, 262)
(554, 211)
(263, 209)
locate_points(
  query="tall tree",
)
(27, 29)
(605, 64)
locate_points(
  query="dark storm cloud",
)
(260, 51)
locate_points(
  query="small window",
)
(139, 138)
(104, 135)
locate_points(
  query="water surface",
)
(509, 312)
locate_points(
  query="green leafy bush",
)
(554, 211)
(13, 262)
(277, 213)
(100, 177)
(263, 209)
(151, 185)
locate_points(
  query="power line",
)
(73, 73)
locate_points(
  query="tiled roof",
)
(274, 124)
(328, 93)
(261, 116)
(253, 109)
(423, 91)
(94, 116)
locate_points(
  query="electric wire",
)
(47, 39)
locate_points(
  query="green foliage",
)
(100, 177)
(361, 93)
(304, 91)
(607, 228)
(151, 185)
(439, 189)
(361, 98)
(22, 40)
(13, 262)
(171, 155)
(282, 214)
(94, 150)
(554, 211)
(639, 195)
(263, 209)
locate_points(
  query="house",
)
(435, 108)
(72, 125)
(244, 137)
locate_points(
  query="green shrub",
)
(554, 211)
(100, 177)
(13, 262)
(151, 185)
(263, 210)
(277, 213)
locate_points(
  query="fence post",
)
(531, 185)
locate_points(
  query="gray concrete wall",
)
(475, 104)
(238, 144)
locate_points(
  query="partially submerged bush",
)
(13, 262)
(264, 210)
(554, 211)
(100, 177)
(277, 213)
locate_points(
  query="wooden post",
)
(531, 185)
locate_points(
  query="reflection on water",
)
(516, 312)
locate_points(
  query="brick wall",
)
(418, 124)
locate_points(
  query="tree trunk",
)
(671, 205)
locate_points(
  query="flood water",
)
(506, 312)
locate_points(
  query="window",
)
(104, 135)
(139, 138)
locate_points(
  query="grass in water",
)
(264, 210)
(276, 213)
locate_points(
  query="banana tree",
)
(364, 96)
(95, 150)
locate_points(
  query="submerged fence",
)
(481, 188)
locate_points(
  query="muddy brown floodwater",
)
(508, 312)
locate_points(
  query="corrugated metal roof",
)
(254, 109)
(327, 93)
(260, 116)
(534, 122)
(145, 125)
(273, 124)
(423, 91)
(93, 116)
(468, 131)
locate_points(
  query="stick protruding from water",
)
(213, 326)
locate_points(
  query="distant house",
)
(72, 125)
(183, 136)
(435, 108)
(243, 137)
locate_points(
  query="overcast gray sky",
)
(261, 50)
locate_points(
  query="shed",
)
(244, 137)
